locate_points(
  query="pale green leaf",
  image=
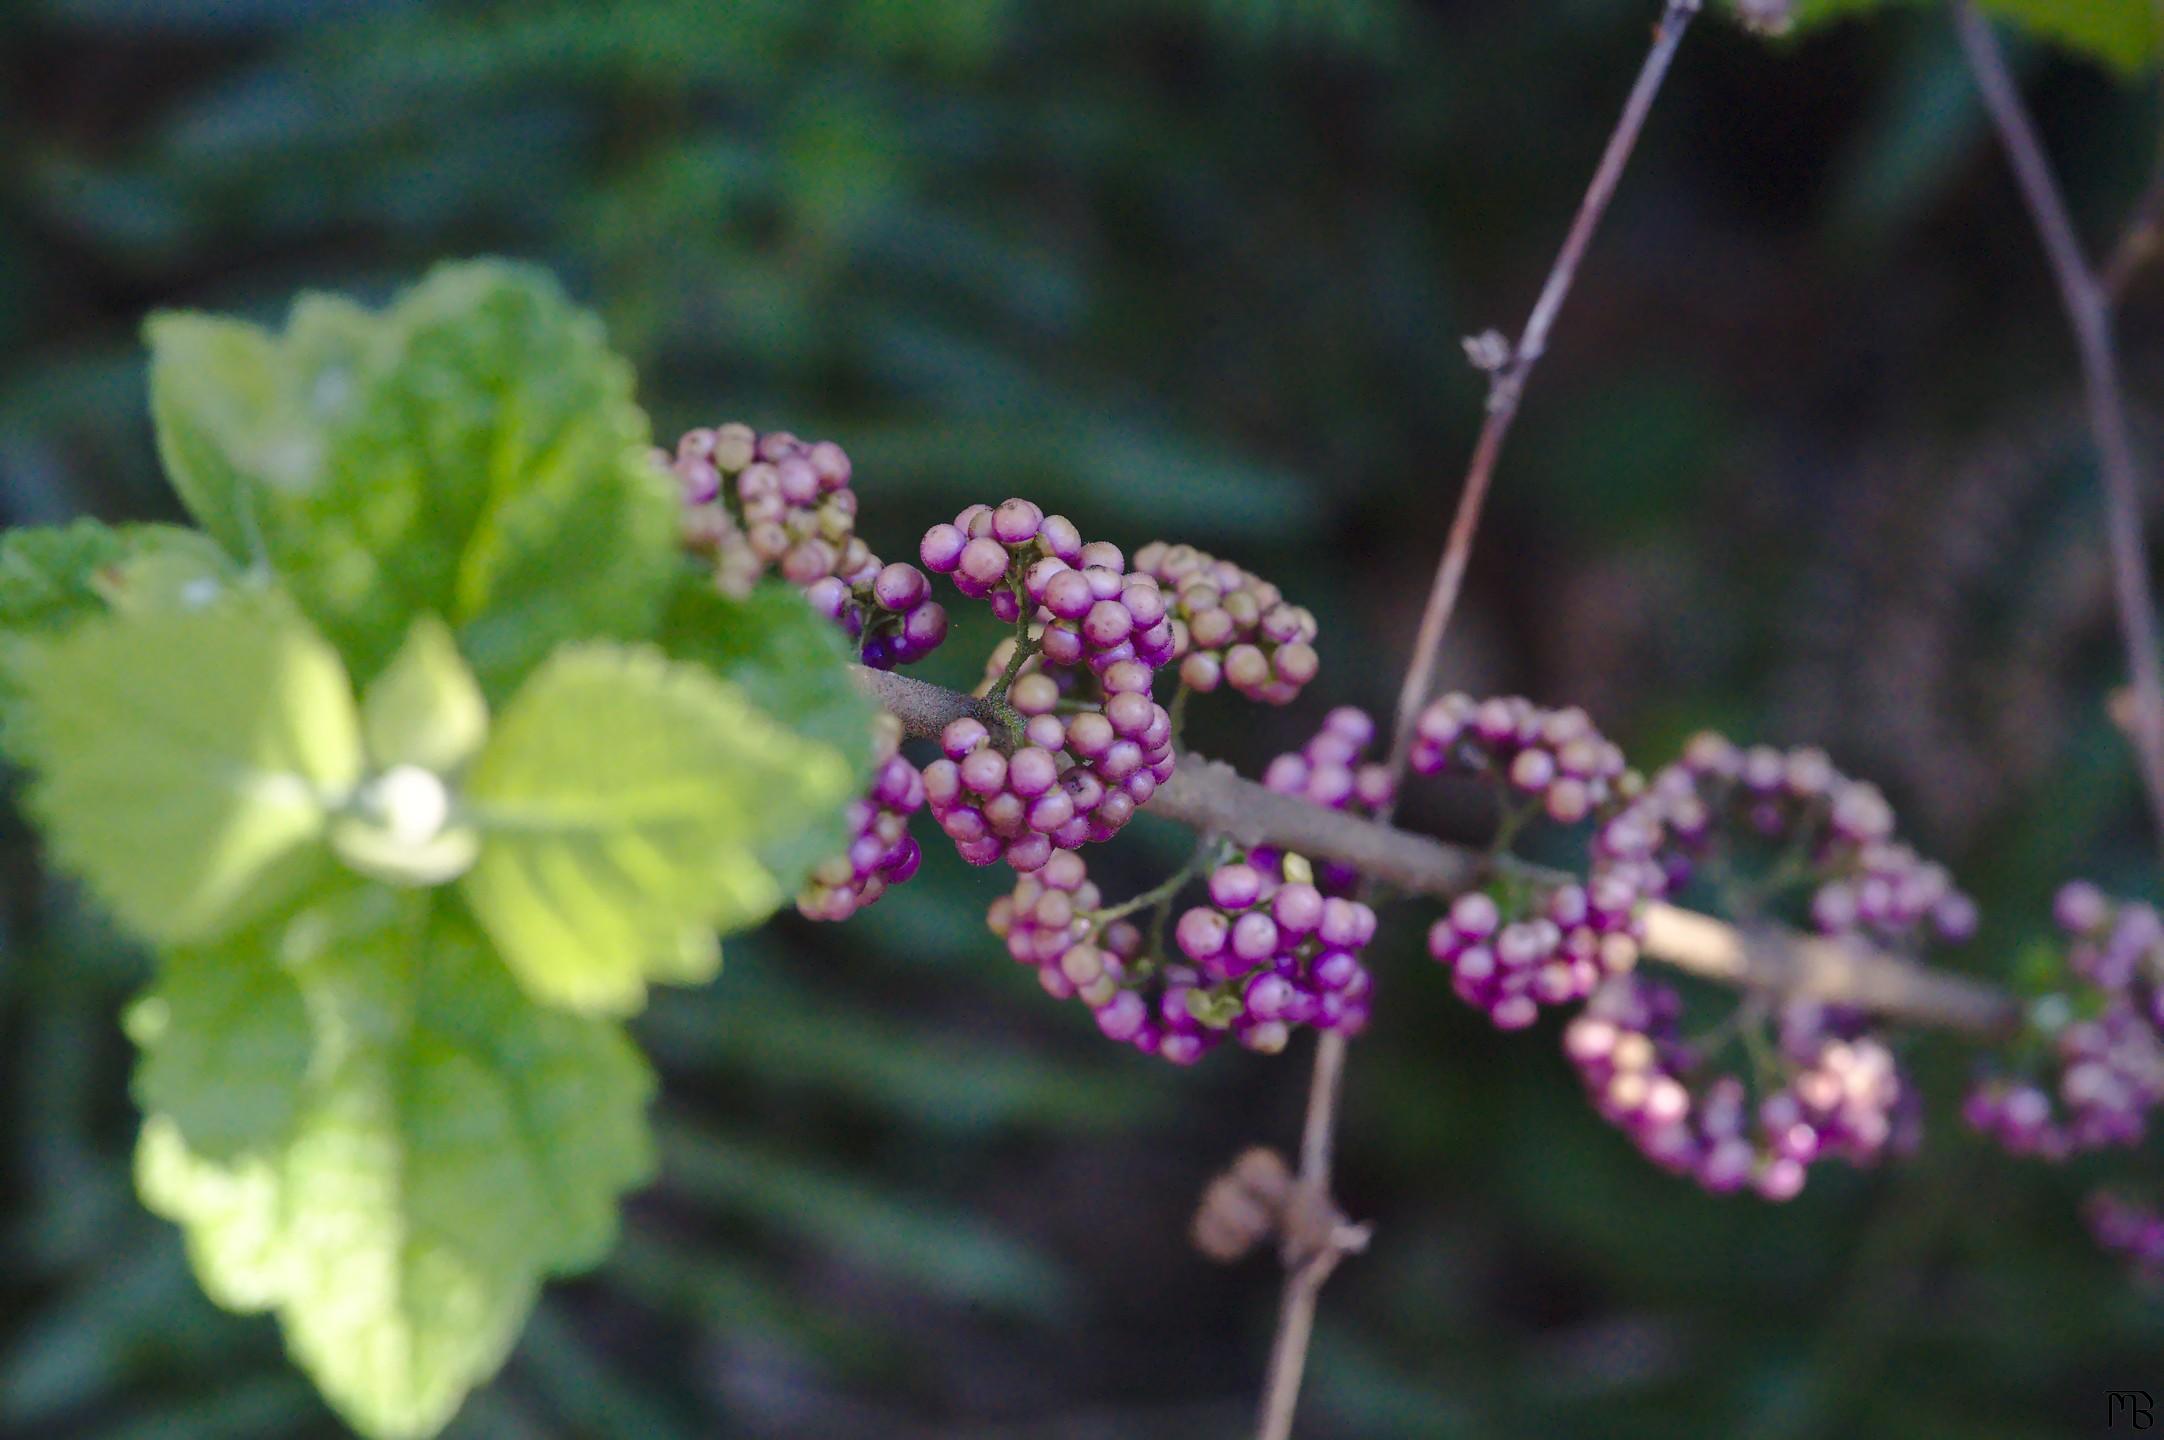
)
(225, 1041)
(217, 391)
(425, 709)
(52, 577)
(793, 663)
(451, 1145)
(2125, 34)
(166, 568)
(185, 761)
(626, 805)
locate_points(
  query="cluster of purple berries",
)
(2110, 1065)
(1558, 949)
(755, 503)
(1842, 1096)
(1275, 953)
(2117, 946)
(1091, 611)
(2128, 1229)
(881, 850)
(1553, 758)
(1864, 881)
(1331, 770)
(1543, 945)
(1231, 627)
(1052, 920)
(1075, 778)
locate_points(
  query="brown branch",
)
(2088, 304)
(1208, 795)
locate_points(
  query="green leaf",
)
(473, 452)
(52, 577)
(48, 574)
(185, 761)
(626, 805)
(450, 1145)
(2125, 34)
(425, 709)
(531, 443)
(793, 663)
(218, 389)
(225, 1040)
(165, 568)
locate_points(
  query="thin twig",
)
(1507, 380)
(1209, 797)
(1506, 385)
(2089, 312)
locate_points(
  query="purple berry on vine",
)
(1226, 626)
(1839, 1093)
(1532, 945)
(1838, 832)
(881, 850)
(1275, 953)
(759, 503)
(2129, 1229)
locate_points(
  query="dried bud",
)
(1241, 1208)
(1488, 351)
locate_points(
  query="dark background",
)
(1805, 462)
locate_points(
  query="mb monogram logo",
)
(2129, 1410)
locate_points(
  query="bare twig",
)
(1508, 368)
(2088, 305)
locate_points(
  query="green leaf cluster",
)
(417, 763)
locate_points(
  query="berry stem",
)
(2088, 300)
(1025, 646)
(1210, 852)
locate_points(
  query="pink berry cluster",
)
(1053, 920)
(1231, 627)
(1074, 779)
(1519, 946)
(881, 851)
(2115, 945)
(1842, 1094)
(1332, 770)
(1275, 953)
(2129, 1229)
(1091, 611)
(1552, 758)
(1864, 880)
(755, 503)
(2102, 1043)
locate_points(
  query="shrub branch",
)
(1209, 796)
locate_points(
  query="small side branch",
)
(2088, 299)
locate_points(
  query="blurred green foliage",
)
(1802, 463)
